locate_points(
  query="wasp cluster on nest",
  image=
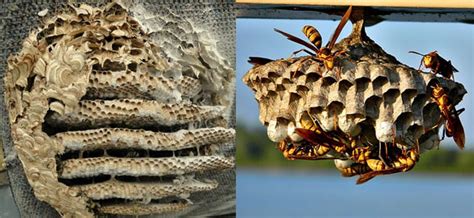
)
(106, 120)
(354, 103)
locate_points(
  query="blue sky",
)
(453, 41)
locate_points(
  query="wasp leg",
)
(307, 150)
(438, 123)
(338, 73)
(296, 52)
(418, 146)
(292, 75)
(421, 64)
(380, 153)
(458, 112)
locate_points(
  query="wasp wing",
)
(297, 40)
(454, 69)
(459, 136)
(338, 30)
(368, 176)
(318, 139)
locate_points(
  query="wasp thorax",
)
(324, 52)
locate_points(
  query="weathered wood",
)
(376, 13)
(376, 3)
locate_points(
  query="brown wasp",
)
(453, 126)
(365, 161)
(404, 161)
(302, 150)
(322, 54)
(316, 142)
(368, 163)
(437, 64)
(314, 134)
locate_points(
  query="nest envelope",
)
(107, 118)
(368, 93)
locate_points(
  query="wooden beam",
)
(373, 14)
(372, 3)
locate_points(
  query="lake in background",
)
(280, 193)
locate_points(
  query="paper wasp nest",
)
(375, 97)
(109, 118)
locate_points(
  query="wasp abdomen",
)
(355, 169)
(313, 35)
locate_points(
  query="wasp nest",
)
(367, 95)
(106, 120)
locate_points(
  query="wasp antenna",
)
(256, 61)
(414, 52)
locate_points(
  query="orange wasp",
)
(322, 54)
(453, 126)
(354, 169)
(437, 64)
(368, 163)
(404, 161)
(316, 142)
(302, 150)
(400, 161)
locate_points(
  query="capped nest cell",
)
(113, 115)
(368, 96)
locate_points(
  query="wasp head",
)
(427, 61)
(430, 59)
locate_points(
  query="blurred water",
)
(327, 194)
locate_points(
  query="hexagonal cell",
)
(109, 116)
